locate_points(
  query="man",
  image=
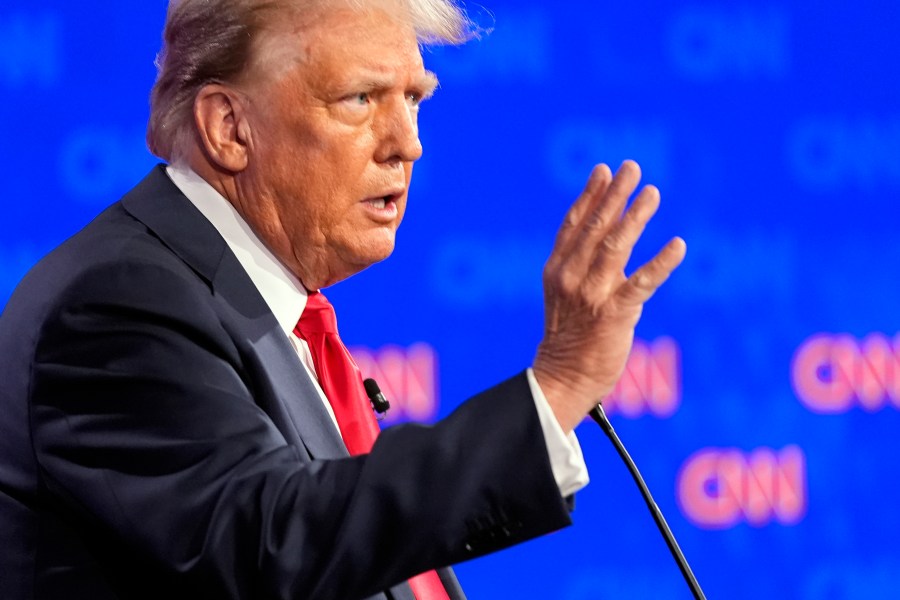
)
(168, 430)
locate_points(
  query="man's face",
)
(333, 138)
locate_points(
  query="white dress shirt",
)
(286, 298)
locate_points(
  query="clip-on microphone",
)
(379, 403)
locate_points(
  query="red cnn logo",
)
(718, 488)
(651, 382)
(407, 376)
(832, 373)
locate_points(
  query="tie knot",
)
(318, 316)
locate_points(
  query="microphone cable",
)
(599, 415)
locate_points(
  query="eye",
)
(414, 99)
(358, 99)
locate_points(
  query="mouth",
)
(383, 208)
(380, 203)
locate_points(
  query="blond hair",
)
(212, 41)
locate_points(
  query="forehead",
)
(332, 43)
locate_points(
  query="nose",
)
(397, 129)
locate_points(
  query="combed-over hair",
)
(211, 41)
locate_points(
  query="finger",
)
(596, 186)
(615, 250)
(644, 282)
(602, 217)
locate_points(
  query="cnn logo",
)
(407, 376)
(651, 382)
(833, 373)
(719, 488)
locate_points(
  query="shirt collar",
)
(281, 290)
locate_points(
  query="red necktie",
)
(342, 383)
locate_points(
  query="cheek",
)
(339, 164)
(302, 225)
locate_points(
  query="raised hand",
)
(591, 307)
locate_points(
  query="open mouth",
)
(383, 208)
(381, 202)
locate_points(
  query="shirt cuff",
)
(566, 459)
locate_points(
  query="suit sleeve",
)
(147, 435)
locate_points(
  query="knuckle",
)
(551, 266)
(560, 280)
(569, 284)
(571, 219)
(596, 221)
(634, 216)
(643, 281)
(614, 242)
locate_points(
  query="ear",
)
(222, 127)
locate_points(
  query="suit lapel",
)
(298, 407)
(280, 384)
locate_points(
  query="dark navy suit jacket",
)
(159, 439)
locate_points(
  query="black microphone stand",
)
(599, 415)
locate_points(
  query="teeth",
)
(378, 202)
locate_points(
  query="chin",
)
(364, 255)
(377, 254)
(376, 248)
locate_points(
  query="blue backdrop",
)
(761, 401)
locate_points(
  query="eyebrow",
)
(427, 82)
